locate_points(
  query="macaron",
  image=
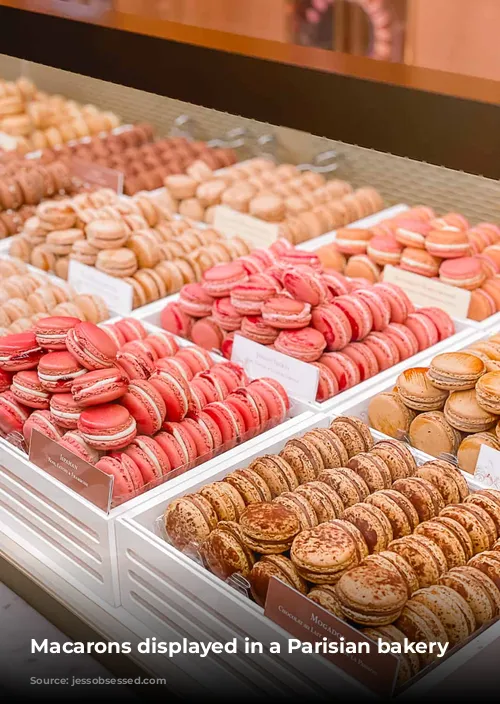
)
(395, 563)
(476, 521)
(409, 664)
(127, 479)
(332, 451)
(364, 358)
(403, 338)
(373, 470)
(175, 393)
(397, 456)
(325, 501)
(58, 370)
(100, 386)
(65, 410)
(274, 396)
(186, 438)
(43, 421)
(447, 479)
(107, 427)
(277, 566)
(250, 485)
(419, 623)
(131, 329)
(372, 523)
(345, 370)
(268, 528)
(419, 261)
(276, 472)
(90, 346)
(224, 499)
(424, 496)
(304, 459)
(417, 391)
(354, 434)
(424, 330)
(74, 441)
(146, 405)
(489, 500)
(470, 447)
(29, 391)
(349, 485)
(152, 462)
(333, 324)
(357, 312)
(51, 332)
(175, 320)
(388, 414)
(220, 280)
(370, 595)
(224, 551)
(451, 537)
(431, 433)
(188, 521)
(398, 509)
(477, 589)
(455, 371)
(195, 301)
(463, 412)
(426, 558)
(466, 273)
(19, 352)
(13, 415)
(399, 304)
(300, 506)
(488, 563)
(229, 421)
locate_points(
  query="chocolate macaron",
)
(372, 522)
(398, 509)
(424, 496)
(347, 483)
(419, 623)
(478, 590)
(426, 558)
(370, 595)
(224, 551)
(270, 566)
(451, 537)
(189, 520)
(476, 521)
(269, 528)
(354, 434)
(397, 456)
(447, 479)
(302, 508)
(276, 472)
(303, 458)
(325, 501)
(451, 609)
(373, 470)
(489, 500)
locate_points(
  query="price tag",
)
(7, 142)
(299, 379)
(428, 292)
(117, 293)
(78, 475)
(308, 622)
(488, 467)
(257, 233)
(97, 175)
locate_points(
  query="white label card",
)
(8, 143)
(257, 233)
(299, 379)
(86, 279)
(423, 291)
(488, 467)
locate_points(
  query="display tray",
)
(359, 406)
(78, 535)
(161, 585)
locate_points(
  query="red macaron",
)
(57, 372)
(65, 411)
(91, 346)
(51, 332)
(146, 405)
(153, 463)
(28, 390)
(13, 414)
(19, 352)
(107, 427)
(100, 386)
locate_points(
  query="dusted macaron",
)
(224, 551)
(277, 566)
(189, 520)
(107, 427)
(268, 528)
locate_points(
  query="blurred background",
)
(449, 35)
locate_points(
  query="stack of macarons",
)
(350, 329)
(381, 543)
(451, 407)
(27, 296)
(134, 239)
(118, 389)
(446, 247)
(303, 203)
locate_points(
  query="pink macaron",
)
(384, 348)
(255, 328)
(358, 314)
(153, 463)
(243, 402)
(274, 395)
(419, 261)
(411, 233)
(384, 249)
(404, 339)
(5, 380)
(115, 334)
(298, 257)
(43, 421)
(175, 320)
(28, 390)
(51, 332)
(131, 329)
(202, 440)
(307, 285)
(100, 386)
(229, 421)
(379, 306)
(226, 348)
(141, 348)
(90, 346)
(337, 284)
(19, 352)
(352, 240)
(174, 392)
(333, 324)
(135, 364)
(345, 370)
(127, 478)
(220, 280)
(195, 301)
(185, 438)
(177, 367)
(307, 344)
(443, 322)
(286, 313)
(397, 301)
(177, 454)
(207, 333)
(248, 298)
(364, 358)
(328, 385)
(214, 387)
(465, 272)
(75, 442)
(107, 427)
(13, 415)
(424, 330)
(447, 244)
(225, 315)
(65, 411)
(197, 358)
(163, 343)
(58, 370)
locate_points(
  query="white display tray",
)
(76, 534)
(151, 315)
(160, 585)
(359, 406)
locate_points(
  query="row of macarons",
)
(446, 247)
(451, 407)
(308, 314)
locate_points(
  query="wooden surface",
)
(413, 77)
